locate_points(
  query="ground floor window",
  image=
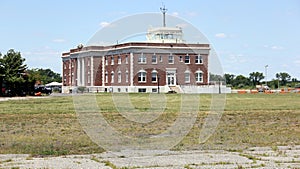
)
(142, 90)
(199, 76)
(142, 76)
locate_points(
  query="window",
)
(160, 58)
(126, 59)
(187, 59)
(106, 77)
(112, 60)
(171, 59)
(180, 58)
(142, 58)
(112, 77)
(142, 76)
(88, 64)
(199, 76)
(119, 76)
(154, 59)
(119, 60)
(142, 90)
(154, 76)
(106, 60)
(126, 76)
(187, 76)
(65, 66)
(198, 59)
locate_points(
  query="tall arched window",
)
(106, 77)
(112, 77)
(142, 76)
(119, 76)
(154, 76)
(187, 77)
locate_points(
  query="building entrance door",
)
(171, 78)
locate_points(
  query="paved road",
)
(257, 157)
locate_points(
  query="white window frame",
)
(106, 60)
(112, 75)
(119, 60)
(106, 77)
(154, 56)
(199, 76)
(185, 59)
(160, 58)
(171, 59)
(142, 59)
(126, 59)
(112, 61)
(142, 76)
(119, 76)
(187, 76)
(154, 72)
(199, 59)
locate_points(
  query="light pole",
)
(158, 83)
(266, 71)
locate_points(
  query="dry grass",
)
(50, 126)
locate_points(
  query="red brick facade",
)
(136, 64)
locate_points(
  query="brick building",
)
(161, 64)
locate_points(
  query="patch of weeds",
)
(15, 168)
(6, 161)
(240, 167)
(187, 166)
(265, 155)
(274, 148)
(95, 159)
(222, 163)
(235, 150)
(250, 157)
(109, 164)
(29, 157)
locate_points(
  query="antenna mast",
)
(164, 10)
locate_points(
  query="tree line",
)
(17, 79)
(282, 79)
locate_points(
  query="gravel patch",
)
(256, 157)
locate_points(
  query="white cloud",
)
(220, 35)
(273, 47)
(58, 40)
(104, 24)
(277, 48)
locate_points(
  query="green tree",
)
(241, 81)
(229, 78)
(256, 77)
(13, 70)
(283, 77)
(44, 75)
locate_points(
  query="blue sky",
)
(247, 35)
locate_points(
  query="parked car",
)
(42, 90)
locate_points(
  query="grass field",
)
(49, 126)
